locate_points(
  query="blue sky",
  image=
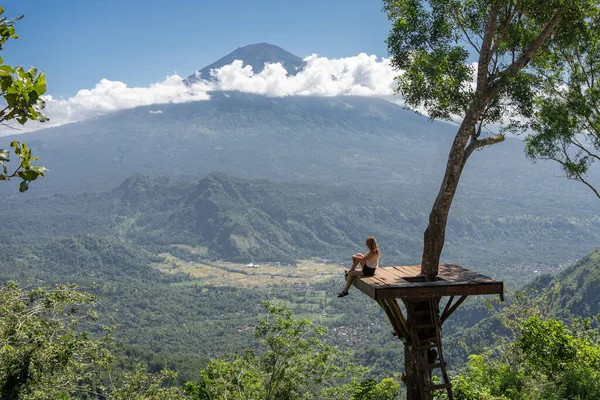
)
(77, 43)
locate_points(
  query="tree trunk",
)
(412, 375)
(436, 230)
(416, 368)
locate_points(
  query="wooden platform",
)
(402, 282)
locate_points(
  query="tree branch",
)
(484, 54)
(577, 175)
(457, 16)
(475, 144)
(582, 147)
(524, 59)
(504, 28)
(580, 179)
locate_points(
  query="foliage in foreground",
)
(21, 91)
(548, 360)
(42, 350)
(45, 353)
(293, 362)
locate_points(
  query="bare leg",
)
(350, 278)
(355, 260)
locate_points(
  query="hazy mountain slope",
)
(575, 291)
(255, 55)
(257, 220)
(295, 138)
(365, 143)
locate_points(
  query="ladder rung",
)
(424, 326)
(427, 346)
(431, 339)
(437, 387)
(436, 365)
(421, 312)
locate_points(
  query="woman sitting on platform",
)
(369, 263)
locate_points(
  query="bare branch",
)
(458, 17)
(584, 149)
(575, 175)
(580, 179)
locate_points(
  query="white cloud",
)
(361, 75)
(155, 111)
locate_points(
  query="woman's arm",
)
(363, 257)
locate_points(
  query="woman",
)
(369, 263)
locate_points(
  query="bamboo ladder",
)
(422, 345)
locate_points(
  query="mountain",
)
(247, 220)
(366, 143)
(573, 292)
(255, 55)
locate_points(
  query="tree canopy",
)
(480, 62)
(22, 92)
(566, 124)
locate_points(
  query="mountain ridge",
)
(251, 220)
(255, 55)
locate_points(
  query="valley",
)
(185, 218)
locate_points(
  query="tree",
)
(293, 362)
(44, 353)
(49, 350)
(567, 120)
(514, 41)
(293, 359)
(21, 90)
(140, 385)
(547, 360)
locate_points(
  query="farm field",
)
(222, 273)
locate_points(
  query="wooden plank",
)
(403, 271)
(408, 271)
(395, 273)
(387, 276)
(364, 287)
(372, 280)
(375, 280)
(390, 282)
(445, 290)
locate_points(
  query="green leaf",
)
(23, 187)
(7, 69)
(4, 155)
(29, 175)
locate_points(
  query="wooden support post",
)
(448, 304)
(420, 326)
(397, 312)
(449, 312)
(400, 332)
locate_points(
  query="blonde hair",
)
(372, 245)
